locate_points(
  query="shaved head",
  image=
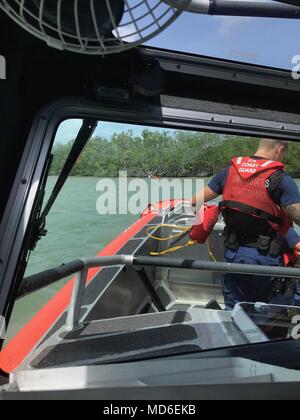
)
(269, 144)
(272, 149)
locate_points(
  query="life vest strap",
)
(252, 211)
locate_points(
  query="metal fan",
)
(93, 26)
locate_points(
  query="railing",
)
(80, 269)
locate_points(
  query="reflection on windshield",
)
(243, 39)
(275, 322)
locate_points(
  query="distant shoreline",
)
(134, 177)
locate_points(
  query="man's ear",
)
(284, 149)
(280, 150)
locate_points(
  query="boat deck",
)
(138, 337)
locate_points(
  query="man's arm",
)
(213, 190)
(290, 198)
(205, 195)
(292, 239)
(293, 210)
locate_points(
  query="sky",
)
(268, 42)
(68, 130)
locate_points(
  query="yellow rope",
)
(174, 249)
(210, 253)
(183, 229)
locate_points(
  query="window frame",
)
(18, 214)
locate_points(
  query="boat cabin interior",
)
(125, 307)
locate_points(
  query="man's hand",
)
(203, 196)
(293, 210)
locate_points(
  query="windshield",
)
(130, 192)
(245, 39)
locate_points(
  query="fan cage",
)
(142, 20)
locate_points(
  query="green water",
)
(75, 230)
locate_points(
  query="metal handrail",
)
(279, 9)
(80, 282)
(80, 269)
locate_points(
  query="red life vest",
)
(245, 190)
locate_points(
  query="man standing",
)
(260, 200)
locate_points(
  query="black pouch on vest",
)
(231, 239)
(263, 244)
(276, 248)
